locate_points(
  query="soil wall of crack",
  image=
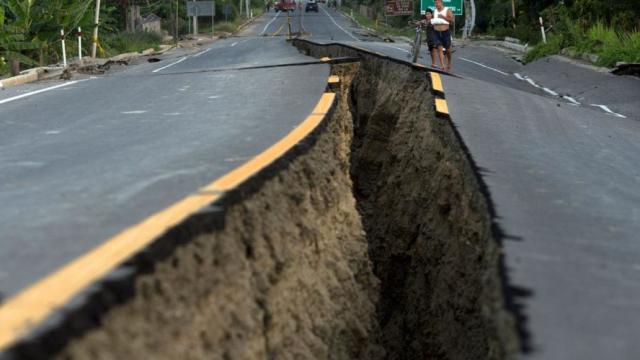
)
(372, 240)
(285, 275)
(427, 221)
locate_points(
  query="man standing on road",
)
(442, 17)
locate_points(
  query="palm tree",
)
(31, 27)
(12, 43)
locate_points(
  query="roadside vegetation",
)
(124, 42)
(602, 43)
(30, 29)
(390, 27)
(605, 32)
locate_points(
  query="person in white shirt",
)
(442, 17)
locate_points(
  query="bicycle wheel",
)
(416, 46)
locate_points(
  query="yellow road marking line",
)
(33, 305)
(21, 313)
(253, 166)
(279, 29)
(334, 79)
(441, 107)
(436, 82)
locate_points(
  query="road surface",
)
(85, 159)
(81, 162)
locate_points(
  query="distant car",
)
(312, 5)
(322, 1)
(285, 5)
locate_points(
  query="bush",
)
(610, 46)
(555, 43)
(228, 27)
(620, 47)
(525, 31)
(130, 42)
(4, 67)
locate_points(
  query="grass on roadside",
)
(608, 44)
(125, 42)
(380, 27)
(232, 26)
(4, 67)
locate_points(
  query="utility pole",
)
(472, 23)
(195, 22)
(94, 46)
(177, 11)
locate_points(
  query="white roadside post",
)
(544, 36)
(64, 50)
(79, 43)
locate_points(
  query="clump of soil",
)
(100, 69)
(627, 69)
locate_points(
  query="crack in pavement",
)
(340, 60)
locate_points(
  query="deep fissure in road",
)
(427, 223)
(371, 240)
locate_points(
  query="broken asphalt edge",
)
(52, 71)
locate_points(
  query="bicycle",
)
(415, 47)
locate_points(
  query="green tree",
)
(12, 44)
(31, 27)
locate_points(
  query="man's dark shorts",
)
(443, 38)
(431, 38)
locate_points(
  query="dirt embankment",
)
(371, 240)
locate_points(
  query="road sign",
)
(226, 10)
(200, 8)
(454, 5)
(398, 7)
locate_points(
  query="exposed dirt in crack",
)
(371, 241)
(427, 221)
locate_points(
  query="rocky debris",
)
(624, 68)
(100, 68)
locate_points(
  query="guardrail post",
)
(64, 50)
(79, 43)
(544, 36)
